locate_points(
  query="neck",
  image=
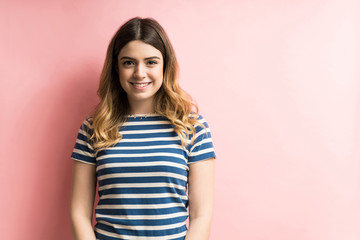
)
(141, 107)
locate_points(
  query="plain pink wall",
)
(278, 82)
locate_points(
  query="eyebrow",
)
(125, 57)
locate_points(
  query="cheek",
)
(124, 75)
(158, 75)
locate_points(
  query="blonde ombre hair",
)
(170, 100)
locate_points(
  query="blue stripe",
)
(129, 212)
(150, 195)
(136, 151)
(149, 190)
(140, 159)
(142, 233)
(140, 180)
(144, 222)
(141, 169)
(142, 200)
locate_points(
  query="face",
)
(140, 71)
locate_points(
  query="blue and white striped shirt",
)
(143, 178)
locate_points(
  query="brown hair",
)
(170, 100)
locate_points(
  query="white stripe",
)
(86, 134)
(122, 236)
(207, 150)
(147, 195)
(203, 131)
(83, 132)
(156, 154)
(201, 120)
(145, 174)
(142, 131)
(206, 140)
(173, 146)
(143, 217)
(138, 227)
(88, 124)
(84, 161)
(157, 139)
(83, 153)
(141, 185)
(82, 142)
(143, 164)
(140, 206)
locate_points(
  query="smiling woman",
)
(141, 74)
(146, 145)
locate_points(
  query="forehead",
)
(139, 49)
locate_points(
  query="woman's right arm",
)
(82, 200)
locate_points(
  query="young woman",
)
(147, 146)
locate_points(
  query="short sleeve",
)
(83, 151)
(202, 147)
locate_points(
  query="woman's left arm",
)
(201, 199)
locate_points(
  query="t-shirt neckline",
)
(142, 115)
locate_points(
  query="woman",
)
(146, 145)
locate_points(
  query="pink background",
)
(277, 81)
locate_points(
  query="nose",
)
(140, 71)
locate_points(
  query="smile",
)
(140, 86)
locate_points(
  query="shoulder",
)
(87, 123)
(200, 119)
(89, 119)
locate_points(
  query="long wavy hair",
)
(170, 100)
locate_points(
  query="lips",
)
(140, 86)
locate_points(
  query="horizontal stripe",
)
(82, 142)
(154, 195)
(141, 155)
(85, 133)
(142, 164)
(143, 206)
(150, 174)
(143, 217)
(83, 153)
(141, 131)
(140, 185)
(154, 139)
(171, 146)
(143, 179)
(206, 140)
(84, 161)
(88, 124)
(161, 227)
(121, 236)
(202, 151)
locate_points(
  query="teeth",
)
(140, 85)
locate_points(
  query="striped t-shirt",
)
(143, 178)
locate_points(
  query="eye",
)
(152, 62)
(128, 63)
